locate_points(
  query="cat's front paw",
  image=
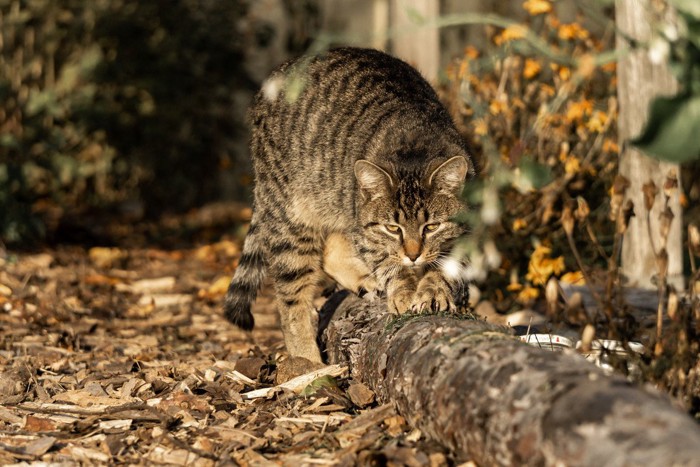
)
(433, 295)
(368, 286)
(401, 301)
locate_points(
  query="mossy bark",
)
(476, 389)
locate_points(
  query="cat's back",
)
(340, 100)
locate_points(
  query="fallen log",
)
(476, 389)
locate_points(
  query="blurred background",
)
(120, 114)
(119, 111)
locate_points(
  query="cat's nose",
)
(412, 249)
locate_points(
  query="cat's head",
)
(408, 213)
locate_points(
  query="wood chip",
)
(165, 300)
(40, 446)
(360, 395)
(159, 284)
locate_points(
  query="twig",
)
(583, 269)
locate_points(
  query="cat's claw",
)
(434, 299)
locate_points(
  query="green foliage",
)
(112, 101)
(671, 133)
(673, 129)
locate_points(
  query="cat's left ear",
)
(450, 175)
(373, 180)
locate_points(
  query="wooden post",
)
(639, 81)
(489, 398)
(419, 47)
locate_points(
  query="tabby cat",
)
(358, 171)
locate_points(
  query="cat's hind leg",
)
(295, 266)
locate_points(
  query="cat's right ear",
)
(373, 180)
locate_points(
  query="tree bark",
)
(489, 398)
(639, 81)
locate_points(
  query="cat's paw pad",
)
(401, 301)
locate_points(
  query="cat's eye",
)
(391, 228)
(431, 227)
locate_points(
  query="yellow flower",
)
(577, 110)
(519, 224)
(528, 294)
(463, 69)
(573, 278)
(537, 7)
(471, 52)
(497, 106)
(532, 68)
(610, 67)
(514, 287)
(547, 90)
(480, 127)
(597, 122)
(610, 146)
(572, 31)
(541, 267)
(512, 32)
(572, 165)
(565, 73)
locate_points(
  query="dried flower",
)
(672, 305)
(617, 195)
(671, 183)
(624, 220)
(694, 239)
(665, 221)
(567, 221)
(587, 337)
(551, 295)
(662, 262)
(582, 209)
(492, 255)
(650, 191)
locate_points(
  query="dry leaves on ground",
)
(121, 356)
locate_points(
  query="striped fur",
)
(351, 145)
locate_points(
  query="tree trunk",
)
(421, 47)
(639, 81)
(489, 398)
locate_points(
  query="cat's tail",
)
(246, 281)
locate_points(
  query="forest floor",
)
(121, 355)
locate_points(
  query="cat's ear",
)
(449, 176)
(374, 181)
